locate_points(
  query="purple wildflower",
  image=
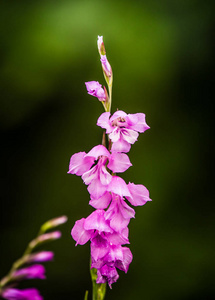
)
(122, 128)
(92, 168)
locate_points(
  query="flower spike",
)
(106, 228)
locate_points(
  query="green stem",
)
(110, 96)
(99, 289)
(18, 263)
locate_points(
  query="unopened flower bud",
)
(45, 238)
(101, 46)
(105, 63)
(53, 223)
(106, 66)
(39, 257)
(32, 272)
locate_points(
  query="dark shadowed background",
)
(161, 54)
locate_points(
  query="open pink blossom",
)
(94, 88)
(122, 128)
(92, 167)
(96, 224)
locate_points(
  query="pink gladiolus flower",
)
(106, 250)
(97, 176)
(122, 128)
(107, 274)
(94, 88)
(25, 294)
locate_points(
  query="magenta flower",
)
(94, 88)
(107, 274)
(106, 250)
(122, 128)
(92, 168)
(117, 257)
(33, 272)
(26, 294)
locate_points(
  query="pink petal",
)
(102, 202)
(104, 176)
(97, 221)
(118, 114)
(119, 214)
(115, 253)
(103, 122)
(125, 262)
(80, 234)
(97, 151)
(129, 135)
(140, 125)
(99, 247)
(119, 162)
(90, 175)
(118, 186)
(117, 221)
(96, 189)
(115, 134)
(121, 146)
(139, 194)
(132, 119)
(117, 238)
(79, 164)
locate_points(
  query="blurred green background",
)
(161, 54)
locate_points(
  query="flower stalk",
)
(107, 226)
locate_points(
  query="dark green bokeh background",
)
(161, 53)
